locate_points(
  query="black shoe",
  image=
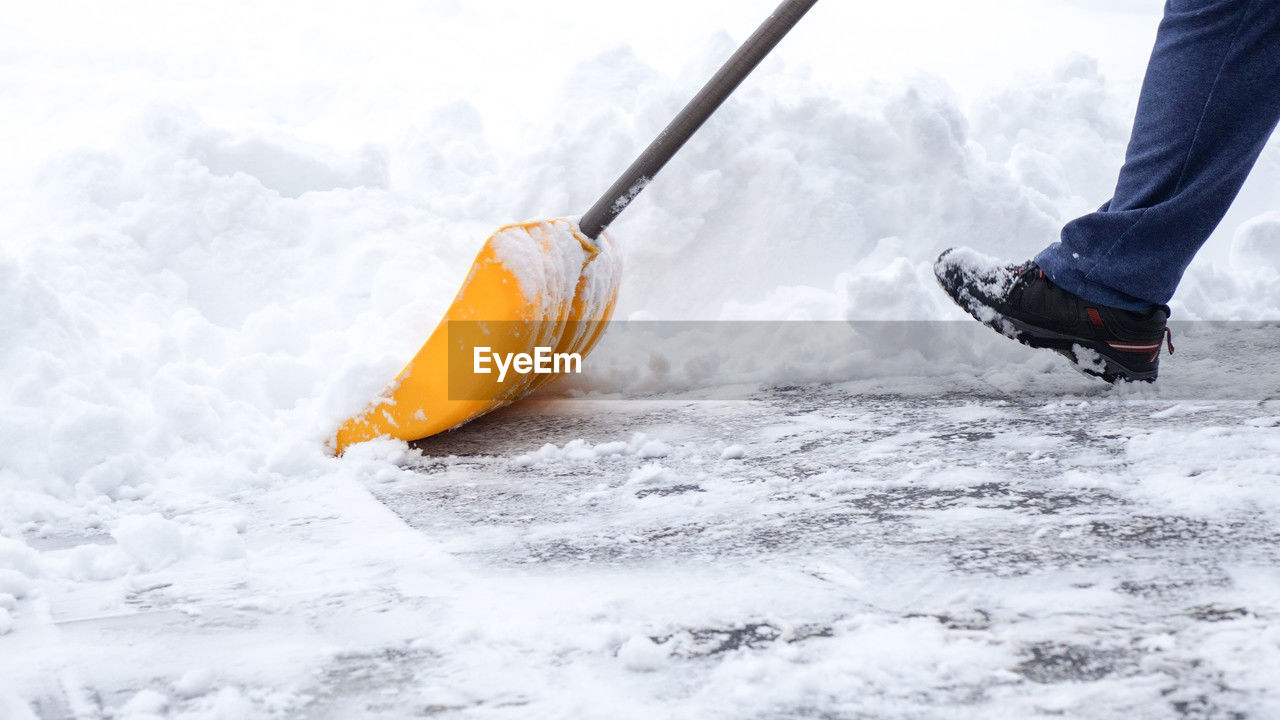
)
(1020, 302)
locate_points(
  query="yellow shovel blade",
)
(540, 285)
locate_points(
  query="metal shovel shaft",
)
(692, 117)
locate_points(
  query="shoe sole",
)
(1070, 347)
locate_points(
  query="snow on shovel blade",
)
(533, 285)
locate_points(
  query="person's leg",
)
(1210, 101)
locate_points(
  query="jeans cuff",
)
(1065, 273)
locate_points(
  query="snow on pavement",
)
(852, 549)
(221, 232)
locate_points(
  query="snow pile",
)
(194, 299)
(1247, 286)
(792, 188)
(172, 320)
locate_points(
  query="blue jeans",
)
(1209, 103)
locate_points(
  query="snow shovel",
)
(540, 292)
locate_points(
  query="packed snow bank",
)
(169, 317)
(799, 203)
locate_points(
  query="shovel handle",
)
(704, 104)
